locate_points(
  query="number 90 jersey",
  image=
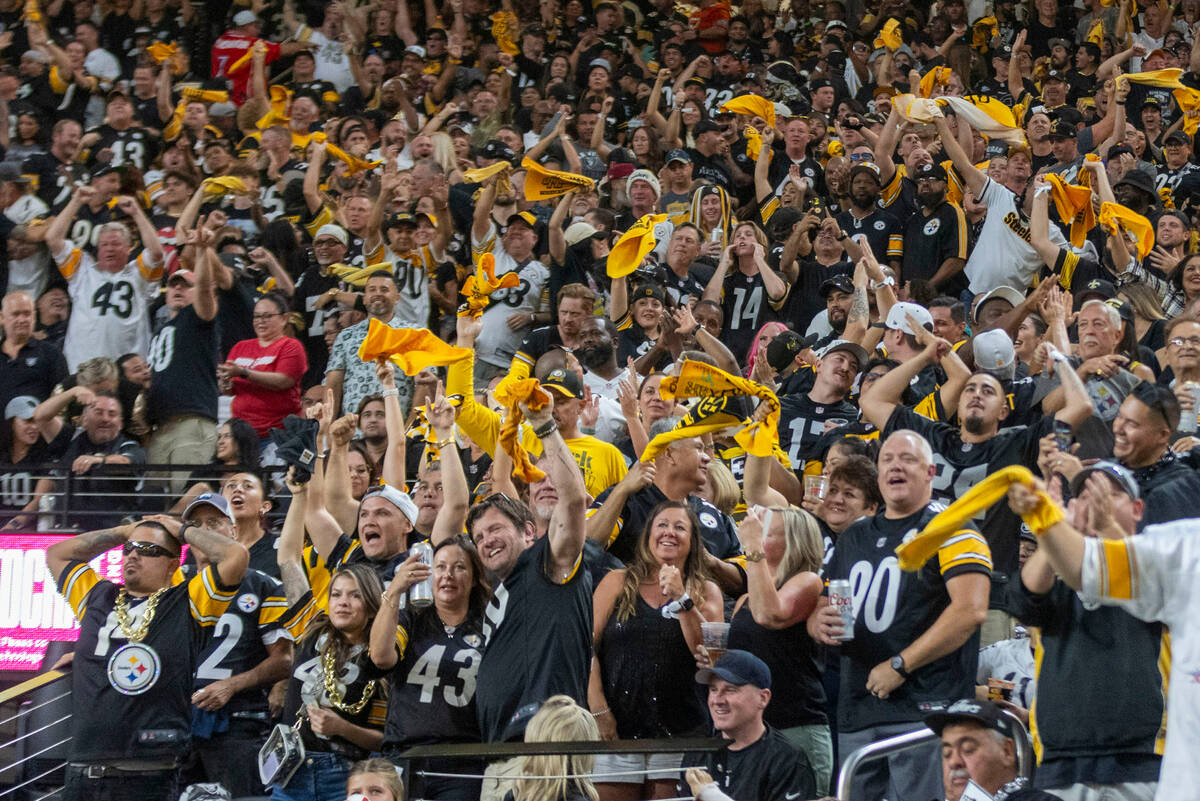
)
(893, 608)
(432, 697)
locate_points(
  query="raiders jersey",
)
(538, 638)
(133, 699)
(802, 422)
(432, 698)
(962, 465)
(258, 617)
(892, 608)
(133, 146)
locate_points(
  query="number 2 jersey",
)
(109, 311)
(892, 608)
(132, 700)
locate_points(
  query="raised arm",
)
(558, 240)
(395, 467)
(567, 527)
(56, 232)
(228, 557)
(884, 396)
(973, 177)
(456, 495)
(771, 607)
(685, 323)
(482, 221)
(289, 552)
(756, 484)
(312, 177)
(886, 146)
(84, 547)
(716, 285)
(762, 167)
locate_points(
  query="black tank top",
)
(797, 697)
(646, 670)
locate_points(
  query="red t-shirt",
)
(707, 18)
(225, 53)
(259, 406)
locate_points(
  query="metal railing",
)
(76, 503)
(41, 731)
(1026, 763)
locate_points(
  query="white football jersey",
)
(109, 311)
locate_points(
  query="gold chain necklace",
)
(336, 698)
(123, 621)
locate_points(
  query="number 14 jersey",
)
(892, 608)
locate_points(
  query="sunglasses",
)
(146, 549)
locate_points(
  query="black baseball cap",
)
(1097, 288)
(705, 126)
(1063, 130)
(520, 217)
(985, 713)
(841, 282)
(1056, 75)
(565, 381)
(1139, 179)
(738, 667)
(1178, 138)
(932, 171)
(819, 83)
(782, 350)
(495, 149)
(649, 290)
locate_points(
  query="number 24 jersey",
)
(892, 608)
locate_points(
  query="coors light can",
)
(842, 599)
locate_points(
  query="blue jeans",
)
(321, 777)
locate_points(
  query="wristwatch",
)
(897, 664)
(686, 604)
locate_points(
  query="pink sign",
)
(32, 613)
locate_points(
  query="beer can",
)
(1187, 420)
(421, 594)
(842, 599)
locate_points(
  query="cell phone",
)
(1063, 434)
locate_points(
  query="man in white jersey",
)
(1003, 255)
(1152, 576)
(515, 311)
(109, 293)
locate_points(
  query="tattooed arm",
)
(229, 558)
(84, 547)
(858, 319)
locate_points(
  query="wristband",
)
(182, 529)
(390, 393)
(696, 330)
(546, 429)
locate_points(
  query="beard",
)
(863, 202)
(594, 356)
(837, 320)
(975, 425)
(931, 200)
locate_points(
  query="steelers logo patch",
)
(880, 225)
(932, 226)
(133, 669)
(708, 520)
(247, 602)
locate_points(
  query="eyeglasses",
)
(267, 315)
(146, 549)
(326, 243)
(860, 156)
(1179, 342)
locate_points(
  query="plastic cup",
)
(816, 487)
(715, 637)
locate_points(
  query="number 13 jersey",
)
(893, 608)
(109, 311)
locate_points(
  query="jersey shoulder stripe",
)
(78, 583)
(208, 597)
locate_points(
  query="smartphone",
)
(1063, 435)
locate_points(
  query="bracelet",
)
(756, 556)
(182, 529)
(546, 429)
(696, 330)
(390, 393)
(440, 444)
(245, 372)
(602, 712)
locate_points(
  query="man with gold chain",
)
(137, 649)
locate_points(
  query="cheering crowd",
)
(797, 373)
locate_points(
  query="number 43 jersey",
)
(109, 311)
(892, 608)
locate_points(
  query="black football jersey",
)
(353, 679)
(133, 699)
(432, 696)
(240, 638)
(802, 422)
(133, 146)
(962, 465)
(892, 608)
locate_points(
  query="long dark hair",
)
(245, 445)
(279, 237)
(643, 567)
(371, 588)
(426, 620)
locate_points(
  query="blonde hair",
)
(1144, 302)
(559, 720)
(95, 371)
(382, 768)
(804, 547)
(725, 490)
(443, 151)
